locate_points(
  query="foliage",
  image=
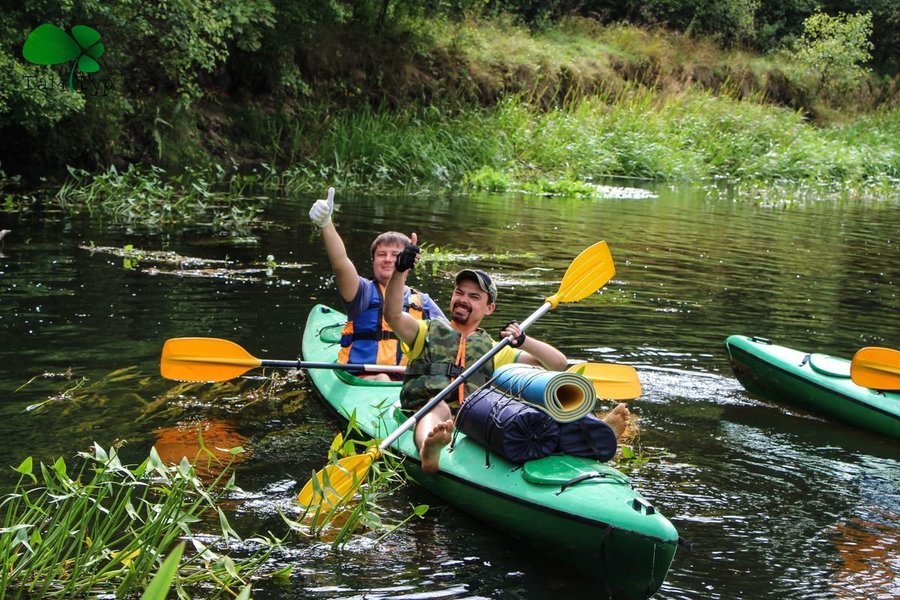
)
(489, 179)
(149, 198)
(338, 518)
(639, 133)
(105, 530)
(834, 48)
(730, 21)
(185, 40)
(185, 79)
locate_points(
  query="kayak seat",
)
(566, 471)
(830, 365)
(331, 334)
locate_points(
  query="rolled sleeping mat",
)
(512, 429)
(565, 396)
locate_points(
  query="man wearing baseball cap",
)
(438, 350)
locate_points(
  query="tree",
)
(836, 48)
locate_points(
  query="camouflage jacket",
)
(434, 369)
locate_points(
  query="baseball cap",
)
(482, 279)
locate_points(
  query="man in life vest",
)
(438, 350)
(367, 338)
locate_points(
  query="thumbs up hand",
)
(409, 256)
(321, 210)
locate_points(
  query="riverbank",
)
(489, 105)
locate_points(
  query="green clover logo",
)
(50, 45)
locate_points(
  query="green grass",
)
(637, 133)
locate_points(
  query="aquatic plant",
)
(152, 198)
(338, 520)
(105, 530)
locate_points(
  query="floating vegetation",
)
(438, 258)
(12, 202)
(153, 199)
(492, 180)
(784, 194)
(624, 193)
(81, 390)
(277, 393)
(274, 393)
(106, 529)
(561, 187)
(162, 262)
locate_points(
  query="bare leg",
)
(433, 432)
(617, 419)
(376, 377)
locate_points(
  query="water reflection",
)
(212, 446)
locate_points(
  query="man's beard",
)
(462, 320)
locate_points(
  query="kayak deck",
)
(579, 510)
(817, 383)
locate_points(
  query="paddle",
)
(214, 359)
(876, 368)
(612, 382)
(588, 272)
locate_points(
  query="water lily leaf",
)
(50, 45)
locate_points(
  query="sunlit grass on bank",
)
(692, 137)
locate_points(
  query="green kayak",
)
(583, 512)
(817, 383)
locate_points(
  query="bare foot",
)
(617, 419)
(431, 447)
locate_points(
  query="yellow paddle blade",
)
(589, 272)
(204, 359)
(331, 486)
(876, 368)
(612, 382)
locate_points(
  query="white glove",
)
(321, 210)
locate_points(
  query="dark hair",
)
(389, 238)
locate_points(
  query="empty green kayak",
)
(817, 383)
(580, 511)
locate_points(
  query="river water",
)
(776, 503)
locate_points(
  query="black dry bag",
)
(507, 426)
(588, 436)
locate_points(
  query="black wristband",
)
(406, 260)
(519, 340)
